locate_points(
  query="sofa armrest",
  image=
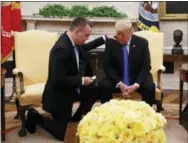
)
(16, 71)
(160, 71)
(163, 68)
(19, 74)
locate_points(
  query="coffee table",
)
(70, 136)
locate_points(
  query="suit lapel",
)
(82, 54)
(74, 57)
(72, 52)
(131, 49)
(120, 55)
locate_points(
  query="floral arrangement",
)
(122, 121)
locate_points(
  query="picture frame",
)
(173, 10)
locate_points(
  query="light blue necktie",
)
(77, 56)
(77, 61)
(126, 65)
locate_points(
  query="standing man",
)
(127, 65)
(69, 79)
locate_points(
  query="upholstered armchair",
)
(156, 46)
(32, 49)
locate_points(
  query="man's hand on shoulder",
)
(105, 37)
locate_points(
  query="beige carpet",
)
(174, 134)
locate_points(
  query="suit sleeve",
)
(58, 63)
(146, 64)
(108, 69)
(93, 44)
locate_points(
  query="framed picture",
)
(174, 10)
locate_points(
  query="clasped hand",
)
(127, 90)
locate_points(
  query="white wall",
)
(130, 8)
(168, 28)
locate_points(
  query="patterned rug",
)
(170, 97)
(170, 104)
(171, 112)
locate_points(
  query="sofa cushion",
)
(33, 94)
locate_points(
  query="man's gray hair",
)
(124, 25)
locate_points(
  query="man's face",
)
(82, 34)
(123, 36)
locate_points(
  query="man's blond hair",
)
(124, 25)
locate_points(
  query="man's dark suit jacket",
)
(63, 78)
(139, 60)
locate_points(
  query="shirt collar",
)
(73, 44)
(128, 43)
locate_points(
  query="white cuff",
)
(137, 85)
(104, 38)
(117, 85)
(82, 81)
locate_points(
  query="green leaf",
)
(58, 10)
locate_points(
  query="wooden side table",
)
(3, 72)
(175, 58)
(183, 78)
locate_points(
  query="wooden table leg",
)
(70, 136)
(180, 101)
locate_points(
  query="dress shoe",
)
(32, 120)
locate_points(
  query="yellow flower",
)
(122, 121)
